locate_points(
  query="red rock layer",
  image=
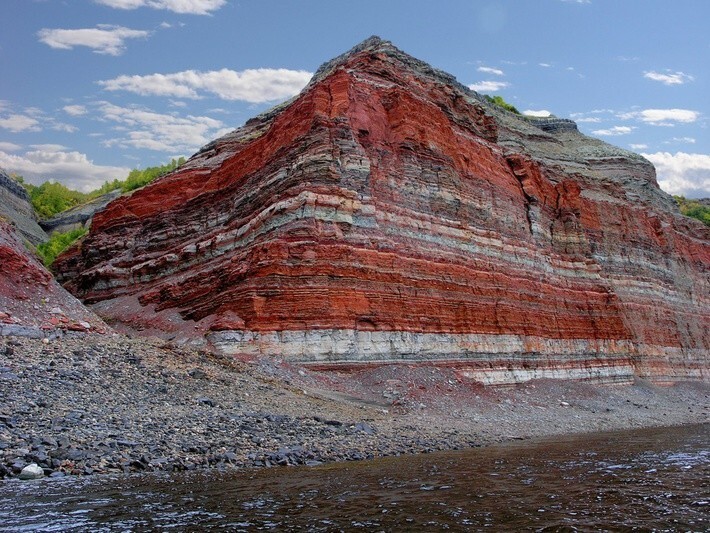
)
(380, 200)
(31, 301)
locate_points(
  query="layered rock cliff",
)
(79, 216)
(388, 213)
(16, 208)
(32, 303)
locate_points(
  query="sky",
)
(93, 88)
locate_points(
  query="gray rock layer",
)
(16, 208)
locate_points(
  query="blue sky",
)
(93, 88)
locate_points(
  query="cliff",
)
(16, 208)
(388, 213)
(32, 303)
(79, 216)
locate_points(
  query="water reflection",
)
(650, 479)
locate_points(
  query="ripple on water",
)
(649, 479)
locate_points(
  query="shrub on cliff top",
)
(694, 209)
(57, 243)
(498, 100)
(52, 198)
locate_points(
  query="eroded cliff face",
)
(31, 301)
(16, 208)
(388, 213)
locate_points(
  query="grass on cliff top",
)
(52, 198)
(694, 209)
(498, 100)
(57, 243)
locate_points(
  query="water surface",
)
(656, 479)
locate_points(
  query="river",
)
(651, 479)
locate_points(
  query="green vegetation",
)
(498, 100)
(51, 198)
(139, 178)
(693, 208)
(57, 243)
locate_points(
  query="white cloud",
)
(670, 78)
(662, 117)
(75, 110)
(638, 146)
(49, 147)
(9, 147)
(682, 173)
(51, 162)
(188, 7)
(251, 85)
(488, 86)
(61, 126)
(682, 140)
(616, 130)
(17, 123)
(539, 113)
(593, 112)
(545, 65)
(34, 112)
(491, 70)
(171, 133)
(593, 120)
(104, 39)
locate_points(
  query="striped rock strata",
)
(31, 301)
(390, 214)
(16, 208)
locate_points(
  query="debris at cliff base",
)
(96, 404)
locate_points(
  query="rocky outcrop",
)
(390, 214)
(79, 216)
(16, 208)
(32, 303)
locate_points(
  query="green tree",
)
(498, 100)
(694, 209)
(51, 198)
(140, 178)
(57, 243)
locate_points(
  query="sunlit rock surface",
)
(390, 214)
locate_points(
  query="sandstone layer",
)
(32, 303)
(388, 213)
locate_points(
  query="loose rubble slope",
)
(32, 303)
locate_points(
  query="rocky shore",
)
(89, 404)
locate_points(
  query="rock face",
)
(388, 213)
(16, 208)
(32, 303)
(79, 216)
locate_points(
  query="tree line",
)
(51, 198)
